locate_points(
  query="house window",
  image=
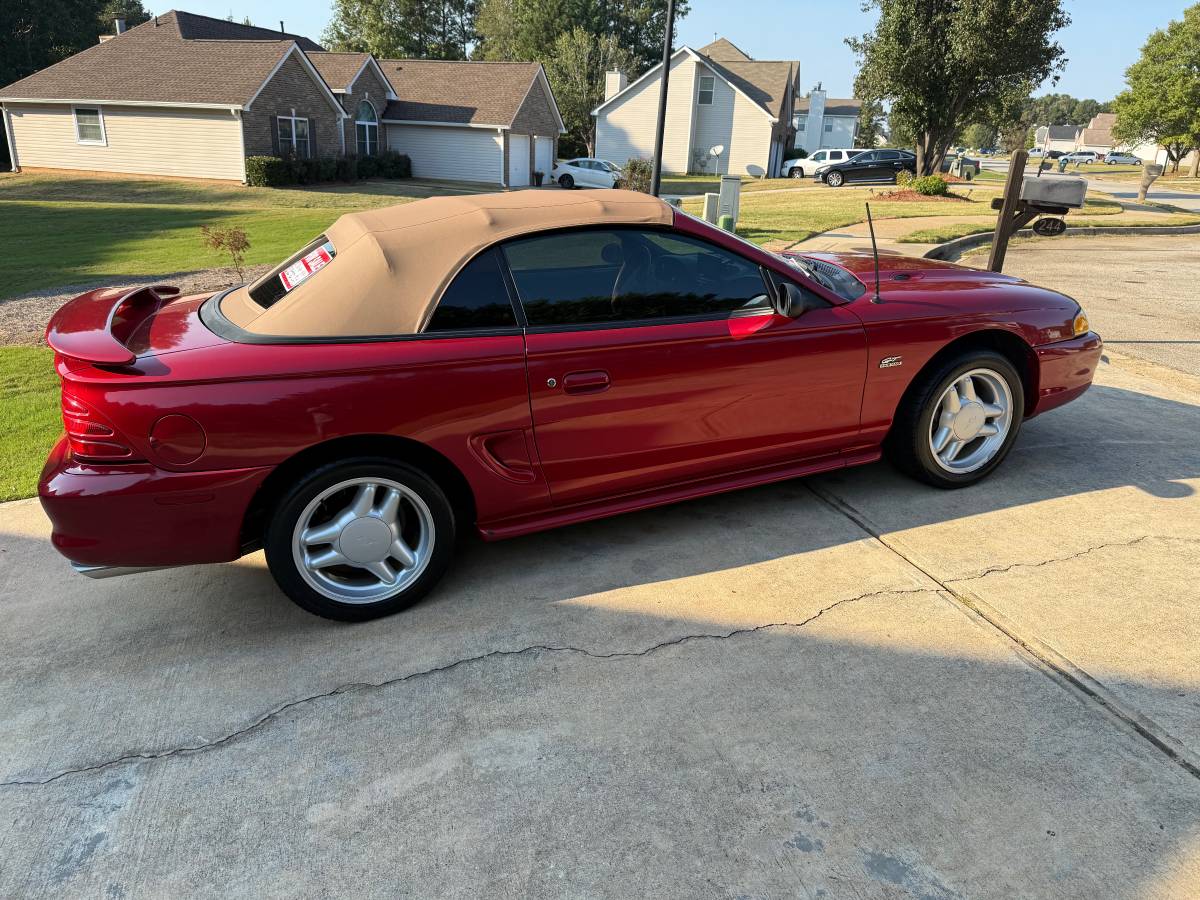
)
(89, 125)
(366, 126)
(829, 128)
(293, 136)
(801, 126)
(706, 90)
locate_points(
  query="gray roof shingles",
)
(155, 63)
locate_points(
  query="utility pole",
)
(668, 40)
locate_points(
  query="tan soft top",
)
(392, 264)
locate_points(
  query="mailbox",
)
(1053, 192)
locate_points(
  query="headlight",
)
(820, 169)
(1080, 326)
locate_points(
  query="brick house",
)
(191, 96)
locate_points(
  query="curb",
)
(952, 250)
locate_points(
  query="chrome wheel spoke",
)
(952, 450)
(402, 553)
(364, 499)
(988, 429)
(327, 558)
(940, 438)
(382, 571)
(991, 410)
(950, 402)
(966, 389)
(322, 534)
(390, 506)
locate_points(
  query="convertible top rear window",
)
(276, 284)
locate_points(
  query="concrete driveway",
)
(849, 686)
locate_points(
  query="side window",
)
(704, 95)
(596, 276)
(889, 154)
(867, 157)
(476, 298)
(835, 155)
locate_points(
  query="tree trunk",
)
(1196, 162)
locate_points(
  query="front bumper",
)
(139, 515)
(1065, 370)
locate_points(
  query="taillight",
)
(91, 438)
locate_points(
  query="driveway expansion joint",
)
(1059, 668)
(355, 687)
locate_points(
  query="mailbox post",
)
(1025, 198)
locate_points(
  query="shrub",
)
(904, 178)
(391, 164)
(930, 186)
(368, 166)
(232, 241)
(267, 171)
(795, 153)
(327, 169)
(635, 176)
(346, 168)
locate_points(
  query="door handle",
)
(586, 382)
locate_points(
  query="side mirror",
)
(793, 301)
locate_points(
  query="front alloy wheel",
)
(958, 422)
(360, 539)
(835, 179)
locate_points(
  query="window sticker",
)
(306, 266)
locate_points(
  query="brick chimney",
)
(614, 83)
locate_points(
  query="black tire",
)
(908, 445)
(835, 179)
(278, 539)
(797, 172)
(566, 182)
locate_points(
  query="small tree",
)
(1162, 103)
(576, 69)
(232, 241)
(943, 65)
(635, 176)
(870, 124)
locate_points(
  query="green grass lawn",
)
(132, 226)
(797, 216)
(695, 185)
(29, 417)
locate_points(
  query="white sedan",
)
(586, 172)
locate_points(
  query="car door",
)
(655, 357)
(863, 167)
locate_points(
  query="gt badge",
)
(890, 362)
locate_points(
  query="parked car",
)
(1122, 159)
(1082, 156)
(873, 165)
(989, 151)
(586, 172)
(505, 363)
(1037, 151)
(801, 168)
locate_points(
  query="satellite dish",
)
(717, 150)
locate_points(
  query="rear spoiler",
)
(91, 327)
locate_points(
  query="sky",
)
(1104, 36)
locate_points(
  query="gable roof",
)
(341, 70)
(833, 107)
(154, 63)
(1061, 132)
(763, 82)
(724, 50)
(193, 27)
(486, 94)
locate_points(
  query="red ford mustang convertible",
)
(513, 362)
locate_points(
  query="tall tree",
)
(576, 69)
(870, 124)
(528, 29)
(420, 29)
(1162, 103)
(943, 63)
(131, 11)
(39, 34)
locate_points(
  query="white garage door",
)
(455, 154)
(518, 160)
(543, 154)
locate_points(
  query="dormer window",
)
(705, 97)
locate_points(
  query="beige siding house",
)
(718, 99)
(191, 96)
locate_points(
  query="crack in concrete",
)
(1061, 669)
(355, 687)
(992, 570)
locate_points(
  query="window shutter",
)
(312, 138)
(275, 136)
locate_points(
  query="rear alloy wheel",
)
(797, 172)
(835, 179)
(959, 423)
(360, 539)
(566, 182)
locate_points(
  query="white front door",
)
(543, 154)
(518, 160)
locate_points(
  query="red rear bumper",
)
(1065, 370)
(140, 515)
